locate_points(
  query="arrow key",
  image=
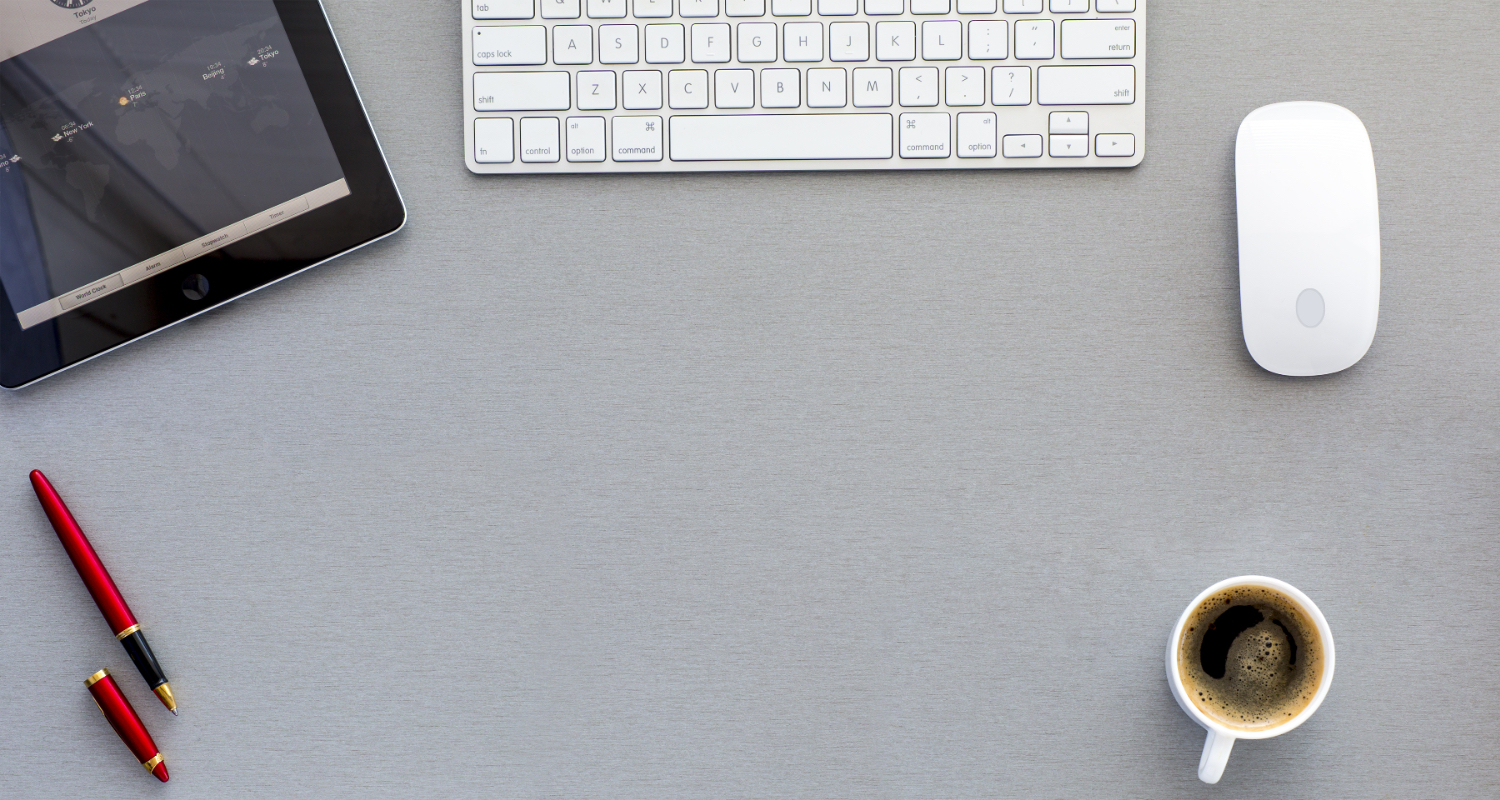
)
(1023, 146)
(1071, 122)
(1115, 145)
(1069, 146)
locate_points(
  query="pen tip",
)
(160, 772)
(164, 693)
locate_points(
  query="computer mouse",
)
(1309, 238)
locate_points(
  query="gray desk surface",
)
(792, 485)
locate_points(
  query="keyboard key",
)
(664, 44)
(976, 135)
(885, 6)
(1068, 122)
(976, 6)
(493, 141)
(780, 88)
(803, 41)
(652, 9)
(849, 41)
(942, 41)
(573, 44)
(1022, 146)
(965, 86)
(618, 45)
(919, 86)
(757, 42)
(1070, 6)
(559, 9)
(1034, 39)
(585, 139)
(1085, 86)
(606, 9)
(637, 138)
(838, 8)
(521, 91)
(1098, 38)
(1012, 86)
(873, 87)
(711, 43)
(539, 139)
(687, 88)
(929, 6)
(734, 88)
(503, 9)
(745, 8)
(1114, 6)
(895, 41)
(988, 40)
(596, 91)
(791, 8)
(1069, 146)
(1023, 6)
(1114, 145)
(642, 88)
(698, 8)
(781, 137)
(924, 135)
(826, 88)
(510, 45)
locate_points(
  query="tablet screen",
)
(136, 135)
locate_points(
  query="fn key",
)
(494, 141)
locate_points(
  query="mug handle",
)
(1215, 757)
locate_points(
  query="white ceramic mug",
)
(1221, 737)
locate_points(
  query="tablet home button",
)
(195, 287)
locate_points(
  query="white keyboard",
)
(556, 86)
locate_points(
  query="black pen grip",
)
(145, 660)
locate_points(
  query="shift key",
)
(521, 91)
(1085, 86)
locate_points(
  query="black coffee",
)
(1250, 657)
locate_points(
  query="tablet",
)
(159, 158)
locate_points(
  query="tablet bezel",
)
(372, 211)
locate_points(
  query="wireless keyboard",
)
(596, 86)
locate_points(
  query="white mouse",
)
(1309, 238)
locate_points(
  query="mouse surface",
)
(1309, 238)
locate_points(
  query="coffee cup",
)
(1250, 658)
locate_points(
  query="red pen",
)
(102, 587)
(122, 717)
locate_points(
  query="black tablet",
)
(162, 157)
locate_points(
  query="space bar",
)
(768, 137)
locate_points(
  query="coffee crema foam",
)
(1250, 657)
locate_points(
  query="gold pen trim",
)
(164, 691)
(95, 678)
(132, 629)
(150, 765)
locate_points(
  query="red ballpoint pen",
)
(102, 587)
(122, 717)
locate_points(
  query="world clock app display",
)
(146, 136)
